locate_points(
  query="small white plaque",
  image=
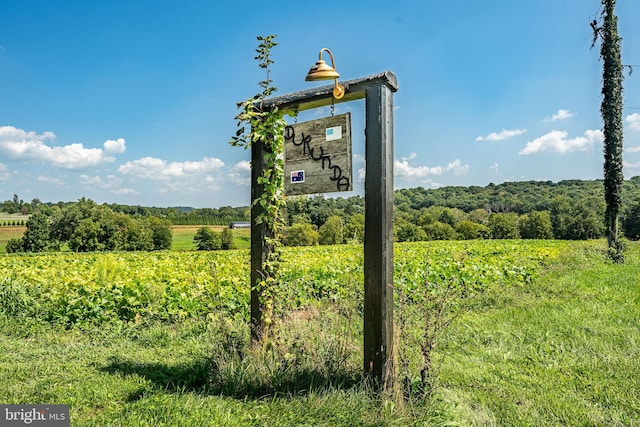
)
(333, 133)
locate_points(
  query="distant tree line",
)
(86, 227)
(175, 215)
(189, 216)
(571, 209)
(19, 206)
(13, 223)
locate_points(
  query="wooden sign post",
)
(378, 234)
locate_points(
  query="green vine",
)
(266, 127)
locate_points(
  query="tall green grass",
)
(561, 352)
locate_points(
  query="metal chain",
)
(295, 117)
(333, 107)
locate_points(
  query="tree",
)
(160, 232)
(468, 230)
(226, 239)
(14, 245)
(479, 216)
(587, 219)
(131, 234)
(36, 236)
(406, 231)
(536, 225)
(440, 231)
(86, 238)
(354, 228)
(504, 225)
(301, 234)
(561, 216)
(67, 219)
(331, 232)
(451, 216)
(207, 239)
(631, 222)
(611, 110)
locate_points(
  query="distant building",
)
(240, 224)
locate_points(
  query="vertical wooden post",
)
(259, 249)
(378, 237)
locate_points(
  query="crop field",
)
(541, 333)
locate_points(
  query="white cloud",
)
(633, 121)
(183, 177)
(557, 141)
(126, 191)
(158, 169)
(90, 180)
(635, 149)
(4, 172)
(22, 145)
(403, 169)
(503, 134)
(362, 172)
(240, 173)
(560, 115)
(56, 182)
(93, 182)
(495, 167)
(630, 164)
(115, 146)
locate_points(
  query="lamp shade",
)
(321, 71)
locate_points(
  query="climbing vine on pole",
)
(265, 127)
(611, 110)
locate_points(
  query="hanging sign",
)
(317, 156)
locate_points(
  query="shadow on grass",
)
(237, 381)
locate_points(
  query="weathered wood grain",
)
(326, 164)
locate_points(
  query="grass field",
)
(182, 236)
(552, 340)
(7, 233)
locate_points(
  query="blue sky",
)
(133, 102)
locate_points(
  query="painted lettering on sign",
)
(317, 154)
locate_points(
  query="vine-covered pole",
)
(611, 109)
(260, 234)
(266, 140)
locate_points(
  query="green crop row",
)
(74, 288)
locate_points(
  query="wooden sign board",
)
(317, 156)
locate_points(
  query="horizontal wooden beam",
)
(323, 96)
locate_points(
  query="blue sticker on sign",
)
(297, 176)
